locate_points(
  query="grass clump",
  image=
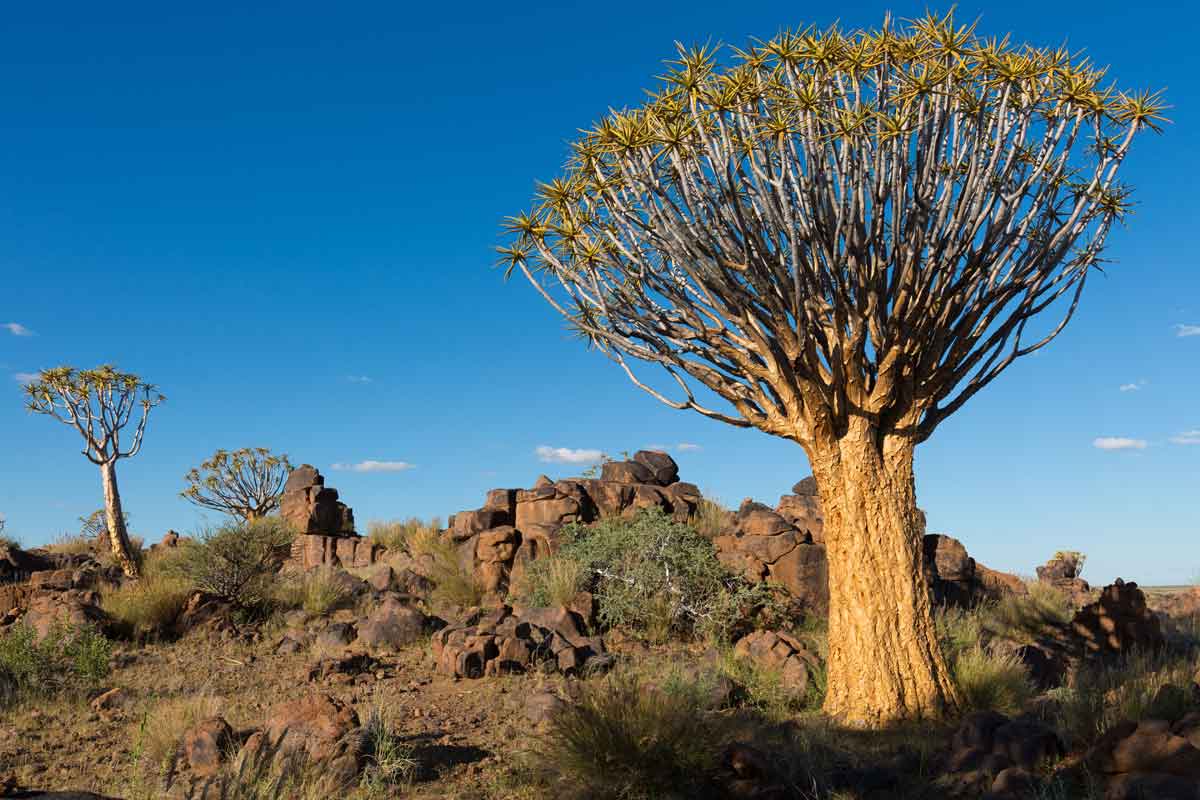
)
(161, 729)
(67, 660)
(412, 536)
(660, 577)
(149, 606)
(317, 591)
(389, 760)
(624, 740)
(454, 584)
(237, 561)
(1026, 618)
(552, 581)
(991, 681)
(710, 519)
(1142, 685)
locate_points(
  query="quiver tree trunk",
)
(118, 536)
(885, 664)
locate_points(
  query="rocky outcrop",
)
(802, 508)
(1151, 758)
(1062, 572)
(516, 526)
(997, 757)
(765, 546)
(500, 641)
(1117, 623)
(957, 580)
(324, 525)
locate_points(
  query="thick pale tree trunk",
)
(118, 536)
(884, 661)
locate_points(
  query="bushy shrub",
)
(656, 575)
(992, 681)
(1026, 618)
(1142, 685)
(237, 561)
(69, 659)
(623, 739)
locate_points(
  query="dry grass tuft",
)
(161, 729)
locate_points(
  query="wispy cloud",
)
(1187, 330)
(567, 455)
(374, 466)
(1118, 443)
(1132, 387)
(17, 329)
(358, 378)
(25, 377)
(682, 447)
(1187, 437)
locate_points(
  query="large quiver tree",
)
(245, 483)
(99, 404)
(843, 237)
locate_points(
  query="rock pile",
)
(1118, 623)
(765, 546)
(1152, 758)
(999, 756)
(516, 526)
(47, 589)
(324, 525)
(500, 641)
(958, 580)
(1062, 572)
(781, 653)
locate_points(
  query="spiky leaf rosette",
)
(832, 223)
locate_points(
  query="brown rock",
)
(206, 744)
(1117, 623)
(312, 508)
(111, 700)
(626, 472)
(804, 572)
(322, 728)
(663, 469)
(1151, 786)
(780, 653)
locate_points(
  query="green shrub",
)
(990, 681)
(236, 561)
(1143, 685)
(624, 740)
(1026, 618)
(68, 660)
(656, 575)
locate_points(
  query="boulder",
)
(780, 653)
(393, 625)
(631, 472)
(663, 469)
(206, 744)
(500, 641)
(319, 727)
(1117, 623)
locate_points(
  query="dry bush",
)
(237, 561)
(71, 544)
(161, 729)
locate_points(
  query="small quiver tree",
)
(245, 483)
(842, 237)
(99, 404)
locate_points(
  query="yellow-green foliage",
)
(551, 581)
(454, 584)
(160, 730)
(991, 681)
(709, 518)
(316, 591)
(149, 605)
(1027, 618)
(412, 536)
(68, 660)
(71, 544)
(622, 739)
(1140, 686)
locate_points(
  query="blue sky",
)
(284, 217)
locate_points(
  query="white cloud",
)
(1129, 387)
(374, 466)
(25, 377)
(1187, 437)
(1187, 330)
(358, 378)
(17, 329)
(567, 455)
(688, 447)
(1118, 443)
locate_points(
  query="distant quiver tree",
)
(99, 404)
(245, 483)
(839, 238)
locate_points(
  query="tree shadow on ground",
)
(434, 758)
